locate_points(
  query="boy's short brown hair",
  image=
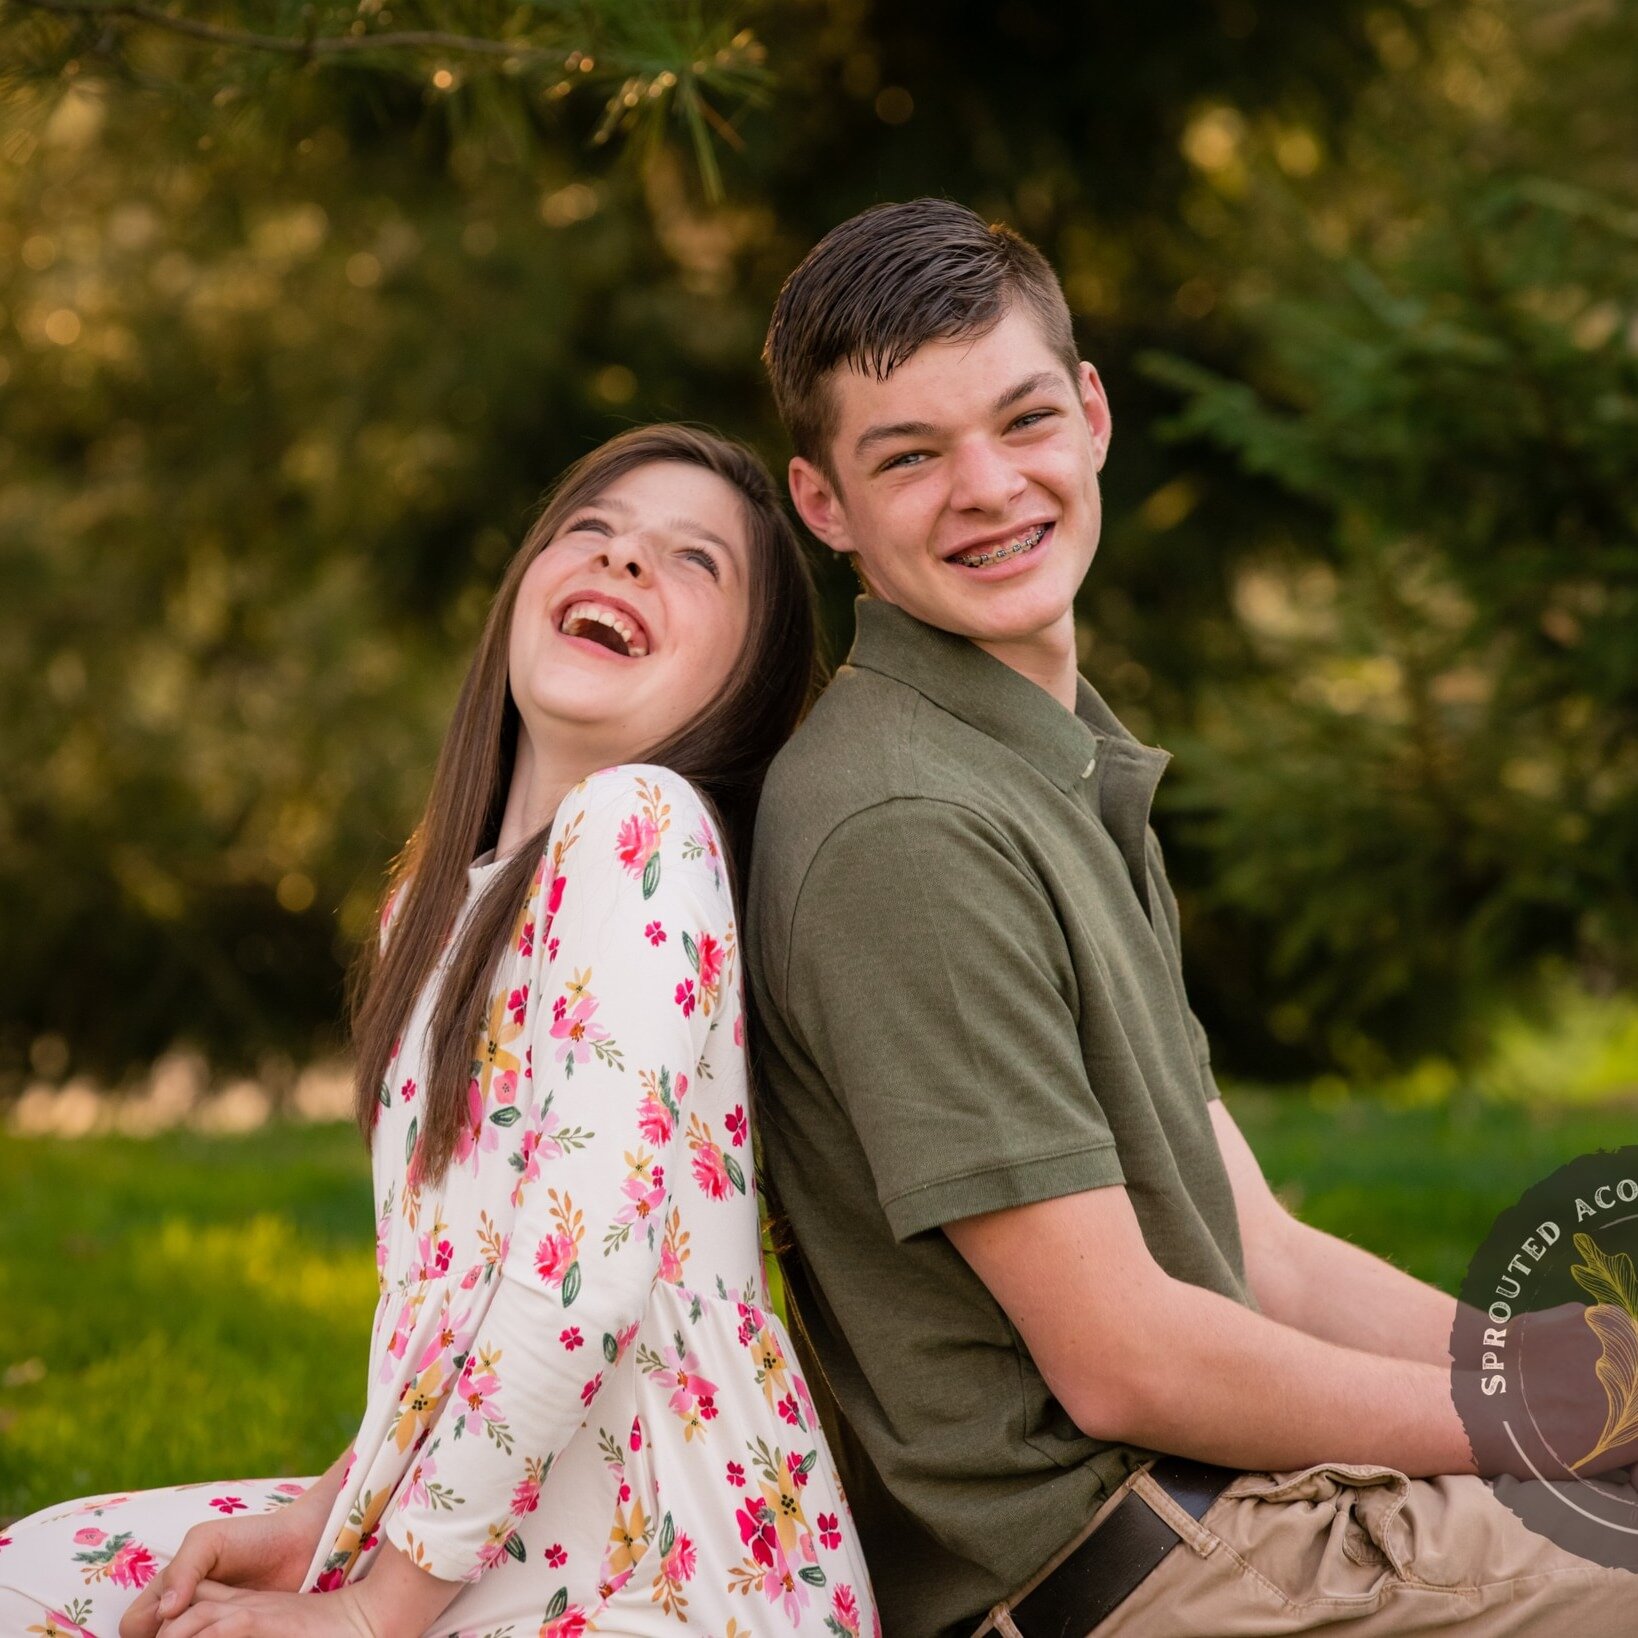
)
(883, 284)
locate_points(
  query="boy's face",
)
(966, 484)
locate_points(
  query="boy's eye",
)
(1032, 417)
(909, 456)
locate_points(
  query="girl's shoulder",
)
(642, 821)
(643, 794)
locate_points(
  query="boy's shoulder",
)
(871, 739)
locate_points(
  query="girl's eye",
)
(700, 555)
(595, 525)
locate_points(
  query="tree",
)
(1430, 781)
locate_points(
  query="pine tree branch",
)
(308, 48)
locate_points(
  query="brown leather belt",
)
(1131, 1540)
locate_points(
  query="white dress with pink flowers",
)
(579, 1400)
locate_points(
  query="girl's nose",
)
(625, 560)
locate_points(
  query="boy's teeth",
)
(1025, 542)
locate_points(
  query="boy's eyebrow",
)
(683, 526)
(1039, 382)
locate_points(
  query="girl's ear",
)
(818, 504)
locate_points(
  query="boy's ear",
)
(818, 504)
(1095, 407)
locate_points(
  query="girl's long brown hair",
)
(724, 753)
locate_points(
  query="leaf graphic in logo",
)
(1618, 1371)
(1606, 1279)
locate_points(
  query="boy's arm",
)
(1314, 1282)
(1138, 1357)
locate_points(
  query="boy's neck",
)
(1047, 659)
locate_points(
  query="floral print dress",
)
(579, 1400)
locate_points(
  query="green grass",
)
(187, 1308)
(180, 1308)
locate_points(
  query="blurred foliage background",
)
(295, 330)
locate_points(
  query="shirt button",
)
(1086, 772)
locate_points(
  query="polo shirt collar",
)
(959, 677)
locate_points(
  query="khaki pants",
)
(1293, 1552)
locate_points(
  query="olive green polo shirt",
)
(964, 954)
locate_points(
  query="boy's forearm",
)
(1341, 1293)
(1245, 1391)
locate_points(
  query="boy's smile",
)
(965, 486)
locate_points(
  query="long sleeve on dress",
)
(626, 986)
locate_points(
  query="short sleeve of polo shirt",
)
(930, 980)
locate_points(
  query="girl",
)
(581, 1412)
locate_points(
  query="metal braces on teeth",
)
(1010, 550)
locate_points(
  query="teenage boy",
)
(1035, 1248)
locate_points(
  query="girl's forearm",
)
(312, 1506)
(398, 1600)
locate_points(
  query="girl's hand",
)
(240, 1612)
(266, 1551)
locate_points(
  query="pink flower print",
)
(493, 1551)
(623, 1339)
(555, 1556)
(505, 1086)
(90, 1536)
(655, 934)
(635, 841)
(416, 1492)
(450, 1339)
(679, 1563)
(710, 960)
(688, 1387)
(787, 1409)
(844, 1607)
(654, 1119)
(805, 1400)
(432, 1261)
(671, 1267)
(570, 1624)
(517, 1003)
(407, 1090)
(329, 1580)
(756, 1530)
(739, 1030)
(710, 1172)
(229, 1504)
(738, 1126)
(644, 1196)
(554, 1257)
(591, 1390)
(736, 1475)
(634, 1439)
(576, 1031)
(797, 1471)
(571, 1338)
(477, 1388)
(293, 1489)
(685, 996)
(526, 938)
(526, 1498)
(830, 1536)
(133, 1566)
(476, 1135)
